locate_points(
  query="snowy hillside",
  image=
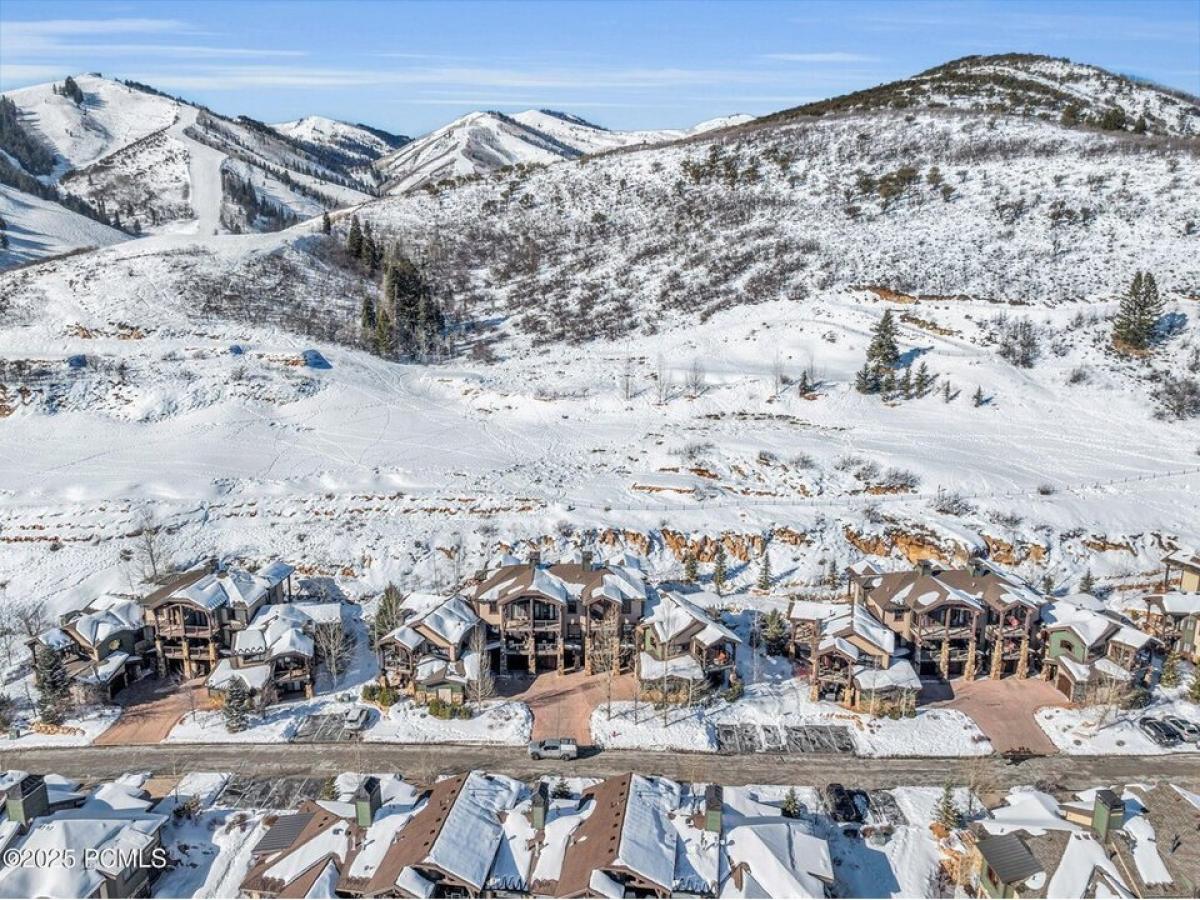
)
(355, 146)
(1028, 85)
(150, 163)
(924, 203)
(37, 228)
(481, 143)
(632, 330)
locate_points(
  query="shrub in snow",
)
(1179, 398)
(952, 503)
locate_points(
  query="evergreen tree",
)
(1070, 115)
(977, 398)
(1170, 670)
(237, 706)
(764, 572)
(791, 804)
(867, 380)
(947, 392)
(561, 790)
(368, 316)
(946, 812)
(690, 567)
(53, 684)
(924, 380)
(354, 240)
(326, 225)
(389, 615)
(775, 632)
(72, 90)
(1087, 583)
(1113, 119)
(1138, 314)
(906, 384)
(1139, 127)
(1194, 689)
(888, 386)
(804, 386)
(719, 570)
(883, 352)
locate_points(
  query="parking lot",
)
(747, 738)
(243, 792)
(323, 729)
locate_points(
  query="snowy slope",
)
(1029, 85)
(156, 163)
(482, 142)
(37, 228)
(112, 117)
(359, 145)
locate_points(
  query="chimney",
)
(538, 807)
(367, 801)
(535, 557)
(27, 800)
(714, 804)
(587, 557)
(214, 565)
(1108, 815)
(925, 567)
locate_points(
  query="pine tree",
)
(1170, 670)
(561, 790)
(368, 315)
(867, 380)
(946, 812)
(354, 240)
(326, 225)
(977, 398)
(389, 615)
(1087, 583)
(791, 804)
(804, 385)
(1138, 314)
(947, 392)
(237, 706)
(690, 567)
(906, 384)
(1070, 115)
(924, 380)
(719, 571)
(53, 684)
(775, 632)
(1139, 127)
(764, 572)
(887, 387)
(1194, 688)
(882, 352)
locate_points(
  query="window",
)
(1067, 647)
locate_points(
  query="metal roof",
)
(1009, 858)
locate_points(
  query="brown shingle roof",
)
(596, 844)
(319, 820)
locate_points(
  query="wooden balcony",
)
(177, 632)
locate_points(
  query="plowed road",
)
(268, 760)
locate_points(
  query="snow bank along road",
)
(280, 760)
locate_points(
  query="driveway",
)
(152, 706)
(1003, 709)
(562, 704)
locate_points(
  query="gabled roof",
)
(923, 589)
(562, 582)
(324, 838)
(675, 614)
(214, 590)
(1009, 858)
(1185, 557)
(105, 617)
(858, 622)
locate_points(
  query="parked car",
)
(554, 748)
(1159, 732)
(1188, 731)
(357, 719)
(840, 804)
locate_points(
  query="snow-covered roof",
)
(276, 572)
(674, 614)
(111, 832)
(900, 675)
(56, 639)
(858, 621)
(813, 610)
(1090, 626)
(1083, 860)
(685, 667)
(471, 834)
(1180, 603)
(283, 629)
(254, 677)
(781, 856)
(104, 617)
(233, 587)
(451, 621)
(648, 841)
(104, 671)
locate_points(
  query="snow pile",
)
(494, 722)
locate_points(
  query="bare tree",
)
(333, 647)
(778, 378)
(148, 547)
(696, 379)
(606, 651)
(662, 384)
(626, 380)
(29, 617)
(483, 686)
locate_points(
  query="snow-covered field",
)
(1104, 730)
(81, 729)
(38, 228)
(494, 722)
(933, 732)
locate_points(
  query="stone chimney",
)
(535, 557)
(587, 557)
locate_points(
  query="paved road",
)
(1071, 772)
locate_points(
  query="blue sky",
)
(410, 67)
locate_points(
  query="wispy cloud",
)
(835, 57)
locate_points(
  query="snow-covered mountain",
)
(354, 146)
(37, 228)
(147, 162)
(483, 142)
(1030, 85)
(630, 329)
